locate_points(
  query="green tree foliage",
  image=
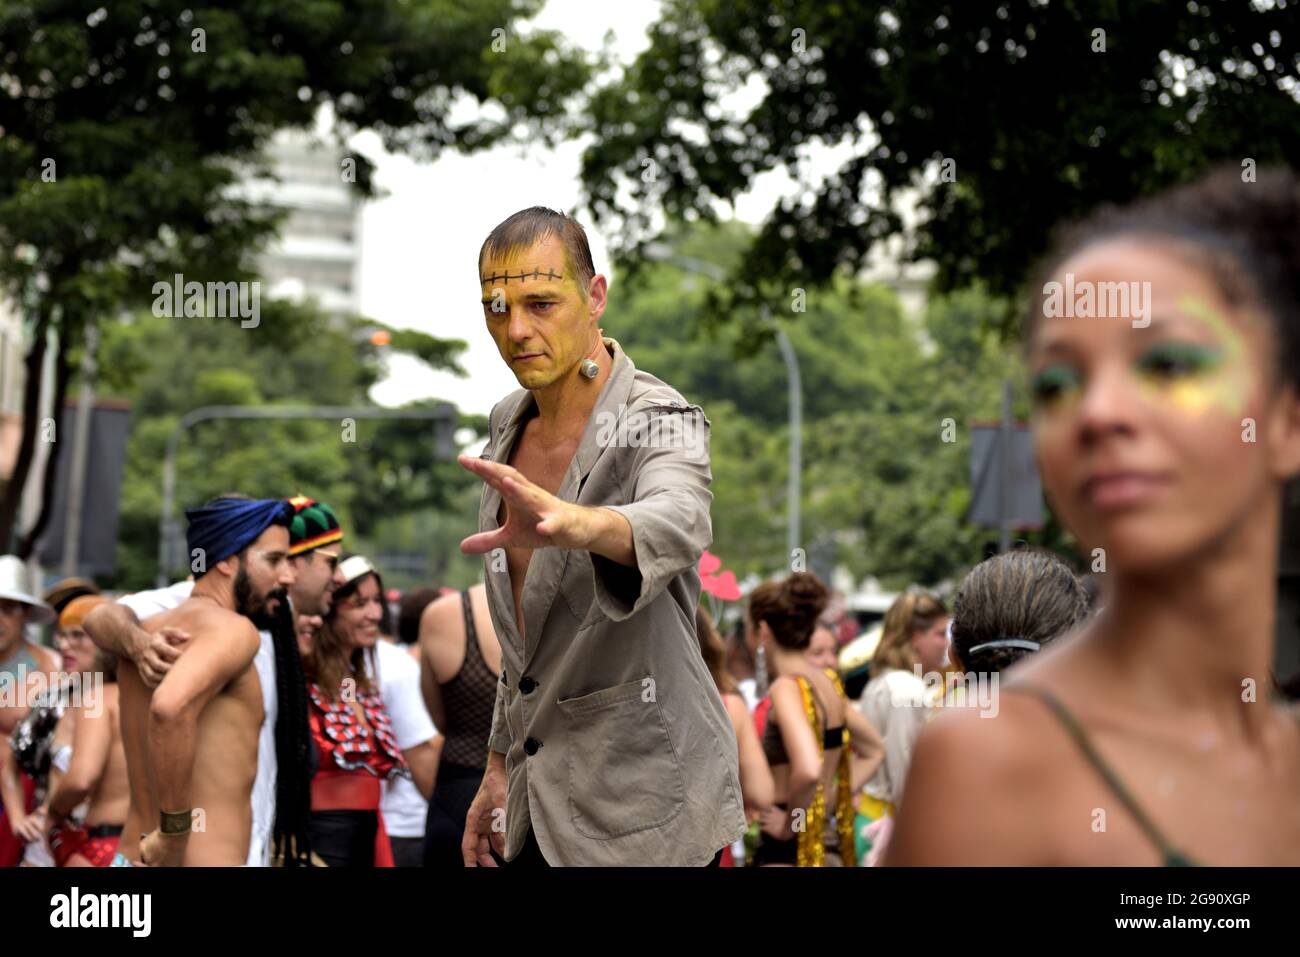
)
(377, 474)
(1044, 110)
(881, 485)
(124, 126)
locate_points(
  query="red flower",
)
(721, 586)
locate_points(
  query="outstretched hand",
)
(534, 517)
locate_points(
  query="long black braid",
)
(292, 838)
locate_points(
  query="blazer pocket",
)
(623, 771)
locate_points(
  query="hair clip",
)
(1007, 643)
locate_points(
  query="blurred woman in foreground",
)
(1165, 432)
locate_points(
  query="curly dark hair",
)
(1028, 593)
(1245, 234)
(790, 608)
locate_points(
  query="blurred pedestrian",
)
(29, 682)
(460, 663)
(757, 786)
(1166, 429)
(897, 699)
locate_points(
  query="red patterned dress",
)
(355, 760)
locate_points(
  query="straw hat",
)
(65, 590)
(14, 587)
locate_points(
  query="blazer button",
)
(531, 745)
(527, 685)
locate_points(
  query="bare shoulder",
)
(735, 706)
(1004, 738)
(441, 610)
(783, 689)
(206, 621)
(440, 618)
(977, 787)
(478, 600)
(99, 706)
(828, 695)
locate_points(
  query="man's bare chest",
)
(545, 464)
(543, 461)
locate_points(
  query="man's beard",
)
(258, 612)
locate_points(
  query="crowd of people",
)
(349, 726)
(278, 709)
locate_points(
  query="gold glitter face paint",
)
(1197, 379)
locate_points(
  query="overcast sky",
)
(418, 245)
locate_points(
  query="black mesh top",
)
(468, 701)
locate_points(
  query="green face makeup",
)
(1193, 377)
(1197, 378)
(1183, 374)
(1054, 385)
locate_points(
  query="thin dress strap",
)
(1173, 857)
(471, 636)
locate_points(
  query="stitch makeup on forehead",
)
(504, 276)
(495, 281)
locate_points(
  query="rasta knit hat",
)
(314, 524)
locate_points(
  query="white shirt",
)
(748, 688)
(146, 604)
(896, 702)
(403, 806)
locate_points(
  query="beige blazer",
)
(619, 750)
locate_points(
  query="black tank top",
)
(468, 702)
(774, 744)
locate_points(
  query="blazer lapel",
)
(602, 424)
(547, 566)
(497, 583)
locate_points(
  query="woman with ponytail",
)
(805, 737)
(1011, 606)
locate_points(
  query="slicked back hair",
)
(533, 225)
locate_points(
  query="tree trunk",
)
(62, 376)
(27, 445)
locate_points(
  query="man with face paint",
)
(610, 744)
(192, 742)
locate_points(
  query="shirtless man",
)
(280, 808)
(191, 742)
